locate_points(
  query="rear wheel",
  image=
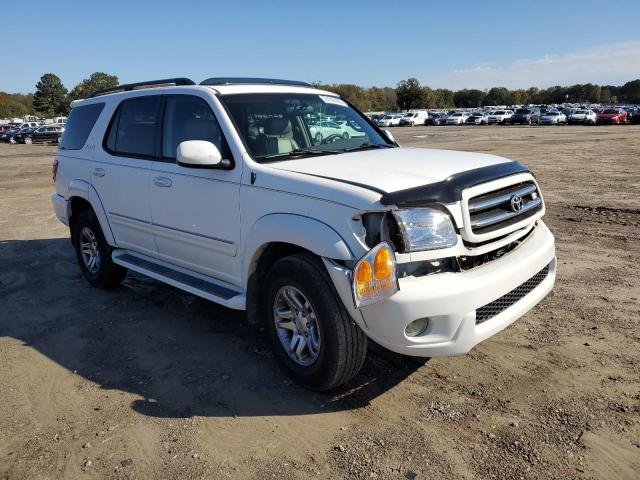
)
(28, 140)
(314, 337)
(94, 253)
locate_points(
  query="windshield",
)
(499, 112)
(523, 111)
(276, 126)
(551, 114)
(610, 110)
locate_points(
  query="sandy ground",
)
(148, 382)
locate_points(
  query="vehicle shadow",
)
(182, 355)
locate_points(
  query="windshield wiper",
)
(299, 152)
(367, 145)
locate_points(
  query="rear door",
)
(195, 211)
(121, 171)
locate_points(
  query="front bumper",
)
(450, 301)
(61, 208)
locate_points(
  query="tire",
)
(89, 240)
(339, 345)
(28, 140)
(12, 140)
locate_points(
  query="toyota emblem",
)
(516, 203)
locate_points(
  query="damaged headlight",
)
(425, 229)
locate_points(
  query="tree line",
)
(52, 99)
(409, 94)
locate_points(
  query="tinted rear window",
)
(79, 126)
(133, 127)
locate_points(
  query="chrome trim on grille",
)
(492, 202)
(501, 208)
(488, 218)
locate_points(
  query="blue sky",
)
(453, 44)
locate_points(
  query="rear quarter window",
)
(79, 125)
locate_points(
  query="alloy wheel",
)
(89, 250)
(296, 325)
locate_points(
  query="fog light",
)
(416, 327)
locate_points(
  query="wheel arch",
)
(276, 236)
(82, 196)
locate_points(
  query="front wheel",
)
(94, 253)
(315, 339)
(28, 140)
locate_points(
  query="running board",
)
(195, 283)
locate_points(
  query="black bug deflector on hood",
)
(450, 189)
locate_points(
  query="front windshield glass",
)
(499, 112)
(522, 111)
(276, 126)
(610, 110)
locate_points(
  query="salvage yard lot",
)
(150, 382)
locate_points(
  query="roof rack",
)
(251, 81)
(135, 86)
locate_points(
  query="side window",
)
(133, 127)
(79, 126)
(190, 118)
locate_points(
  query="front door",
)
(195, 211)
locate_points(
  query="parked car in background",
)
(321, 130)
(583, 117)
(612, 115)
(526, 116)
(4, 136)
(436, 119)
(457, 118)
(11, 134)
(18, 137)
(4, 128)
(391, 120)
(374, 118)
(350, 129)
(45, 134)
(27, 125)
(500, 117)
(477, 118)
(553, 117)
(414, 118)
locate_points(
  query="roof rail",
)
(251, 81)
(135, 86)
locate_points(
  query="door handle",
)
(99, 172)
(162, 182)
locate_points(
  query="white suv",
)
(222, 190)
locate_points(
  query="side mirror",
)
(388, 134)
(200, 154)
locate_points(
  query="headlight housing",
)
(425, 229)
(374, 276)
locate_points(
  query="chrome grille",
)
(495, 210)
(492, 309)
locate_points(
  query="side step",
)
(192, 282)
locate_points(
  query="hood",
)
(390, 169)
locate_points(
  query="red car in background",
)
(612, 115)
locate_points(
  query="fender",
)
(83, 189)
(295, 229)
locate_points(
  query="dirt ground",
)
(148, 382)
